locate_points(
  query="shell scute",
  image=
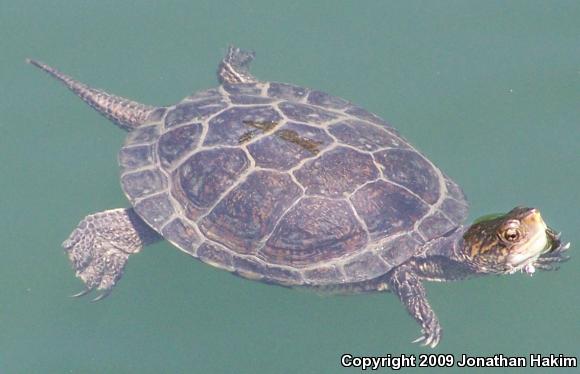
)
(143, 183)
(200, 180)
(455, 210)
(250, 100)
(363, 114)
(157, 115)
(215, 255)
(287, 91)
(248, 213)
(194, 110)
(324, 274)
(435, 225)
(314, 230)
(247, 89)
(399, 249)
(408, 168)
(455, 191)
(283, 275)
(205, 94)
(306, 113)
(289, 145)
(233, 125)
(157, 210)
(177, 142)
(387, 209)
(323, 99)
(248, 267)
(364, 266)
(364, 136)
(337, 172)
(183, 234)
(142, 135)
(135, 157)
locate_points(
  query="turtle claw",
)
(82, 293)
(87, 290)
(429, 338)
(561, 248)
(435, 342)
(552, 260)
(101, 296)
(419, 339)
(431, 342)
(547, 267)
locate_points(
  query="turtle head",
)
(506, 243)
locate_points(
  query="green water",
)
(489, 90)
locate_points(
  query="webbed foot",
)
(552, 260)
(101, 244)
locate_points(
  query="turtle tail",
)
(124, 113)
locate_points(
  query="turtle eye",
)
(511, 232)
(512, 235)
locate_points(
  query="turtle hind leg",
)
(234, 68)
(407, 285)
(101, 244)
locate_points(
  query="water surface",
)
(488, 90)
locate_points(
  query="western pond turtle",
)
(293, 186)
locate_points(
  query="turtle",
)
(295, 187)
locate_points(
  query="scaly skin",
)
(125, 113)
(101, 244)
(406, 284)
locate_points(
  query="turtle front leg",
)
(551, 260)
(406, 284)
(101, 244)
